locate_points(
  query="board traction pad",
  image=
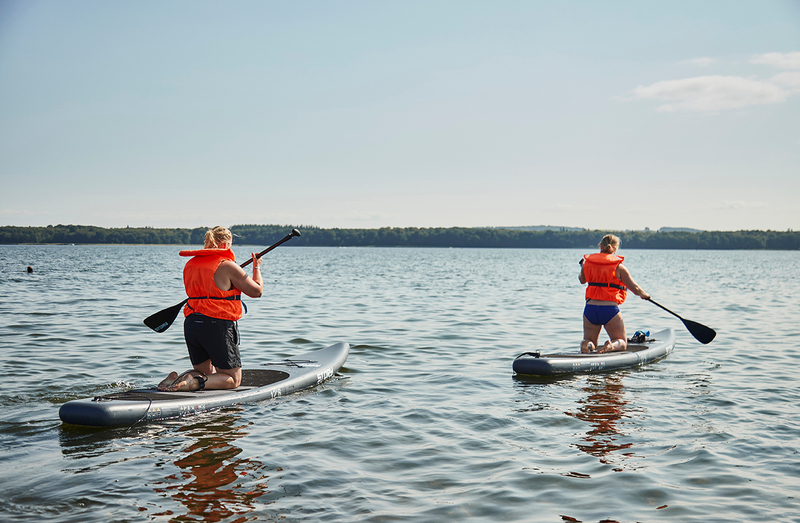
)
(250, 378)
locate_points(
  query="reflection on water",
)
(603, 407)
(212, 481)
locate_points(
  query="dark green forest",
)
(407, 237)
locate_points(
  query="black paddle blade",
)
(161, 320)
(700, 332)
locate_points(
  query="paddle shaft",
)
(651, 300)
(288, 237)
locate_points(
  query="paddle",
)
(700, 332)
(161, 320)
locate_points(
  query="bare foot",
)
(169, 380)
(607, 347)
(587, 347)
(610, 346)
(189, 381)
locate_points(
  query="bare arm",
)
(581, 276)
(229, 276)
(625, 276)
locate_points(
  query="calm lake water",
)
(426, 421)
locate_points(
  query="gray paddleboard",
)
(270, 380)
(659, 345)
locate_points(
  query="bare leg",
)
(616, 332)
(591, 336)
(225, 379)
(217, 379)
(220, 378)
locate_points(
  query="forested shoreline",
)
(407, 237)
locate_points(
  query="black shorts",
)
(214, 339)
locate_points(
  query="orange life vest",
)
(204, 296)
(600, 271)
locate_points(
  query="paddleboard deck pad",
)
(655, 347)
(271, 380)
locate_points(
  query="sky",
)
(360, 114)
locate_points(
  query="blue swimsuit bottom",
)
(600, 314)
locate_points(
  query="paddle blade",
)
(700, 332)
(161, 320)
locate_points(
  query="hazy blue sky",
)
(608, 115)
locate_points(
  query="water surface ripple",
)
(426, 421)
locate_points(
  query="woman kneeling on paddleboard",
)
(214, 284)
(608, 281)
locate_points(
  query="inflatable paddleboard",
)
(655, 347)
(270, 380)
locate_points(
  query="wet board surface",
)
(270, 380)
(657, 346)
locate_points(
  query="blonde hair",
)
(609, 243)
(217, 236)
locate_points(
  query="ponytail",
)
(217, 236)
(609, 243)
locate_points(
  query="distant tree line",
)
(90, 234)
(408, 237)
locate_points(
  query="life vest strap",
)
(237, 297)
(614, 285)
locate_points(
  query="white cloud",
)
(790, 80)
(711, 93)
(14, 212)
(561, 207)
(737, 205)
(719, 93)
(702, 61)
(779, 60)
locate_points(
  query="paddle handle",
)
(288, 237)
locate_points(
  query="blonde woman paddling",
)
(608, 282)
(214, 284)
